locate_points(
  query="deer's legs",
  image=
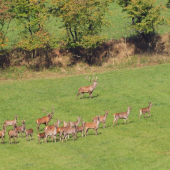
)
(149, 114)
(82, 95)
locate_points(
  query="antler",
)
(44, 110)
(94, 78)
(52, 109)
(88, 78)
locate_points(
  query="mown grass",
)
(141, 144)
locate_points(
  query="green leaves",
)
(82, 21)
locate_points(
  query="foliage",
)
(5, 18)
(145, 16)
(31, 16)
(82, 20)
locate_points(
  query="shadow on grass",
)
(88, 97)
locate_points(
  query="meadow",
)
(141, 144)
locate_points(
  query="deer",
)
(102, 119)
(29, 132)
(61, 129)
(2, 132)
(72, 124)
(41, 136)
(51, 131)
(123, 115)
(81, 128)
(146, 110)
(69, 130)
(11, 122)
(65, 124)
(44, 120)
(92, 125)
(53, 126)
(88, 89)
(21, 129)
(13, 133)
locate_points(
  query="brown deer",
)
(123, 115)
(13, 133)
(29, 132)
(21, 129)
(88, 89)
(69, 130)
(2, 132)
(60, 130)
(11, 122)
(72, 124)
(41, 136)
(92, 125)
(53, 126)
(65, 124)
(44, 120)
(51, 131)
(102, 119)
(146, 110)
(81, 128)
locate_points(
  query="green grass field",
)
(141, 144)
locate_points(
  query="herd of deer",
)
(68, 128)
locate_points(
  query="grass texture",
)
(141, 144)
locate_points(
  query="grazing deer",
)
(21, 129)
(123, 115)
(69, 130)
(13, 133)
(51, 131)
(88, 89)
(44, 120)
(81, 128)
(92, 125)
(2, 133)
(102, 119)
(11, 122)
(41, 136)
(29, 132)
(146, 110)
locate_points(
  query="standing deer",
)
(2, 133)
(29, 132)
(53, 126)
(123, 115)
(102, 119)
(11, 122)
(72, 124)
(13, 133)
(41, 136)
(21, 129)
(92, 125)
(44, 120)
(69, 130)
(88, 89)
(146, 110)
(81, 128)
(65, 124)
(51, 131)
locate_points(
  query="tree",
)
(31, 16)
(82, 21)
(5, 19)
(145, 15)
